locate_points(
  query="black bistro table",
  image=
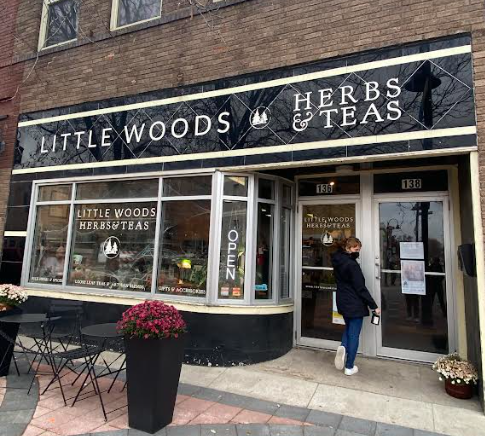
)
(104, 334)
(8, 336)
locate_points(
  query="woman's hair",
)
(348, 243)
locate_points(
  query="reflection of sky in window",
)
(131, 11)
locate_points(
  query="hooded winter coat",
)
(353, 298)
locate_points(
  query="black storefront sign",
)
(338, 112)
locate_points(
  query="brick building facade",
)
(192, 49)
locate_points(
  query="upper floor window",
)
(126, 12)
(59, 22)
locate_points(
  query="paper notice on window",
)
(413, 280)
(336, 317)
(411, 250)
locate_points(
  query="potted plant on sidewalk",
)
(11, 297)
(460, 376)
(154, 335)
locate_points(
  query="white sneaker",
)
(340, 358)
(352, 371)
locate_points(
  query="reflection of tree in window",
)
(62, 22)
(131, 11)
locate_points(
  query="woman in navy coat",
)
(353, 301)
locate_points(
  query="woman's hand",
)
(377, 311)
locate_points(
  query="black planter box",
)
(153, 371)
(6, 347)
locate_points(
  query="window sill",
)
(189, 306)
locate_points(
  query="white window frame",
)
(115, 4)
(43, 26)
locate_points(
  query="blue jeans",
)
(350, 339)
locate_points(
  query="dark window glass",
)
(266, 189)
(119, 189)
(185, 186)
(416, 181)
(233, 250)
(49, 248)
(61, 22)
(328, 186)
(55, 193)
(236, 186)
(287, 201)
(264, 252)
(132, 11)
(285, 229)
(184, 248)
(112, 246)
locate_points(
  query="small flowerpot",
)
(459, 390)
(153, 370)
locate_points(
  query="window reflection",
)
(49, 248)
(61, 22)
(184, 248)
(264, 252)
(132, 11)
(112, 246)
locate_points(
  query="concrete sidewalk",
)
(300, 394)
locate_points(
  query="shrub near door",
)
(154, 335)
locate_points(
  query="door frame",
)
(302, 201)
(419, 356)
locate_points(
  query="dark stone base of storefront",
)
(214, 339)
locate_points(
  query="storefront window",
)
(103, 235)
(49, 248)
(264, 252)
(184, 248)
(285, 223)
(55, 193)
(119, 189)
(187, 186)
(233, 250)
(112, 246)
(236, 186)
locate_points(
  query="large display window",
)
(172, 237)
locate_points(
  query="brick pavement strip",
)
(17, 409)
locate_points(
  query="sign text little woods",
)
(329, 103)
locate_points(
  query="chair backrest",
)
(70, 315)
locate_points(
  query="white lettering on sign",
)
(233, 237)
(339, 106)
(134, 134)
(409, 184)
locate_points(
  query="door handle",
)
(378, 270)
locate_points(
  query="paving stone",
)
(7, 429)
(292, 412)
(113, 433)
(210, 395)
(237, 400)
(134, 432)
(262, 406)
(186, 389)
(162, 432)
(356, 425)
(319, 417)
(347, 433)
(393, 430)
(15, 417)
(19, 404)
(310, 430)
(285, 430)
(183, 430)
(252, 430)
(218, 430)
(426, 433)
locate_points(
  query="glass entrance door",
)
(322, 225)
(411, 272)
